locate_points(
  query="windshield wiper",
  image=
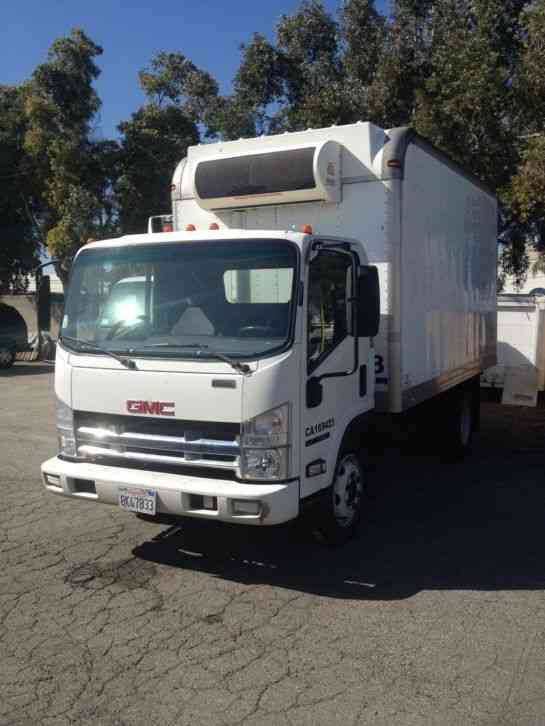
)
(127, 362)
(237, 365)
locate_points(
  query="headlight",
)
(65, 429)
(266, 445)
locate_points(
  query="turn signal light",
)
(306, 229)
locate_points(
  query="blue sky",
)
(208, 32)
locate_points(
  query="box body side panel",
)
(448, 277)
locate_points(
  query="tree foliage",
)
(60, 103)
(156, 137)
(467, 74)
(19, 241)
(153, 142)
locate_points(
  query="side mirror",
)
(314, 392)
(368, 302)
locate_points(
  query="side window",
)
(330, 286)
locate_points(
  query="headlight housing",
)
(65, 429)
(266, 446)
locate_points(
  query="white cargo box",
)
(430, 228)
(521, 340)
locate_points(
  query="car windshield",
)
(183, 299)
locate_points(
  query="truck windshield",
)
(184, 300)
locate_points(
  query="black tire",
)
(341, 510)
(462, 422)
(7, 358)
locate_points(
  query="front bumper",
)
(280, 502)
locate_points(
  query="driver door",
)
(330, 351)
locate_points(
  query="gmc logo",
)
(151, 408)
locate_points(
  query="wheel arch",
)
(354, 431)
(349, 440)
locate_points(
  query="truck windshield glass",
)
(184, 300)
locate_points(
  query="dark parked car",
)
(7, 351)
(13, 334)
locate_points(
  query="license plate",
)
(134, 499)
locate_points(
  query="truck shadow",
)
(26, 369)
(476, 524)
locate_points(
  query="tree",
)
(173, 77)
(403, 64)
(468, 74)
(465, 105)
(450, 68)
(60, 103)
(259, 85)
(309, 42)
(363, 31)
(156, 137)
(19, 238)
(299, 82)
(526, 191)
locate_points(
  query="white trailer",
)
(521, 349)
(246, 389)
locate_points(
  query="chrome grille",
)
(158, 441)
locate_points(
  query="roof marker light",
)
(190, 228)
(306, 229)
(214, 225)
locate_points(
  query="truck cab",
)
(222, 329)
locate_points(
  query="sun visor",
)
(277, 176)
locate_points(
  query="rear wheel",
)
(7, 358)
(463, 415)
(465, 423)
(343, 503)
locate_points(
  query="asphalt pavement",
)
(435, 614)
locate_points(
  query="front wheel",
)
(343, 504)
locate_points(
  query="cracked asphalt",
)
(435, 614)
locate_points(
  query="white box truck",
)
(231, 369)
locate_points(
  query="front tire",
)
(342, 508)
